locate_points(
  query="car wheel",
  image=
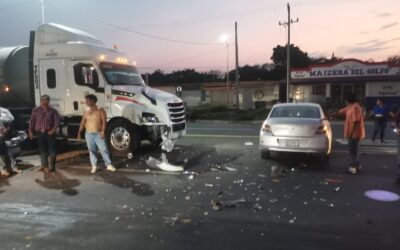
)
(123, 138)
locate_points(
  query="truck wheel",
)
(123, 138)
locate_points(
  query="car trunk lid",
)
(294, 127)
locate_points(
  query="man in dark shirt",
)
(380, 116)
(44, 122)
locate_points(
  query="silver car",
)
(296, 127)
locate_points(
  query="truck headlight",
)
(149, 117)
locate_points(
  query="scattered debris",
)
(219, 205)
(209, 185)
(249, 143)
(334, 180)
(171, 221)
(292, 220)
(163, 165)
(187, 198)
(117, 218)
(129, 156)
(332, 205)
(273, 200)
(238, 181)
(337, 189)
(206, 213)
(262, 175)
(257, 207)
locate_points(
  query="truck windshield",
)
(119, 74)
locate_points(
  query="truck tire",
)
(123, 138)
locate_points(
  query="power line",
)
(132, 30)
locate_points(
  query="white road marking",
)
(221, 136)
(368, 142)
(221, 129)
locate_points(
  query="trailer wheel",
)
(123, 138)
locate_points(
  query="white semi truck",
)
(68, 64)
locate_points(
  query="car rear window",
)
(296, 111)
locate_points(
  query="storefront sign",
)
(383, 89)
(350, 68)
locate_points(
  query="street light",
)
(224, 39)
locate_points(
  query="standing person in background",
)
(354, 130)
(94, 121)
(380, 113)
(43, 124)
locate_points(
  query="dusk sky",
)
(362, 29)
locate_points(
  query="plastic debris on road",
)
(209, 185)
(257, 207)
(219, 205)
(163, 165)
(249, 143)
(171, 221)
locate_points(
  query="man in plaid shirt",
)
(43, 123)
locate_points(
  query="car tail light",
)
(267, 129)
(321, 130)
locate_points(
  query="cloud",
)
(387, 26)
(361, 50)
(368, 46)
(384, 14)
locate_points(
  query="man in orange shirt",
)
(354, 130)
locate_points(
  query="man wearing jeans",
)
(94, 120)
(44, 123)
(354, 130)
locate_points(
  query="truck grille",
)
(177, 115)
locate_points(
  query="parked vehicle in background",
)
(297, 128)
(67, 64)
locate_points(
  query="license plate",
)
(292, 143)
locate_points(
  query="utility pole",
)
(227, 73)
(42, 1)
(237, 67)
(289, 21)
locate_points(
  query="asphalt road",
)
(227, 198)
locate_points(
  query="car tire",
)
(123, 138)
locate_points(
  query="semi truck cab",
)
(67, 64)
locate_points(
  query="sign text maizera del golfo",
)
(346, 68)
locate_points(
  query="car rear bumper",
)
(318, 144)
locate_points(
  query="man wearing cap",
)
(43, 124)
